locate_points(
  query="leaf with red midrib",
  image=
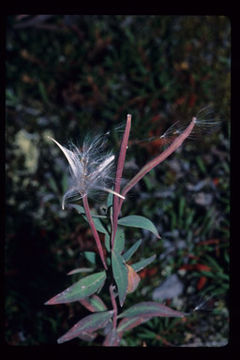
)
(129, 323)
(120, 274)
(93, 304)
(80, 290)
(150, 308)
(87, 325)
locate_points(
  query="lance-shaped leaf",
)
(143, 263)
(107, 242)
(97, 222)
(129, 323)
(90, 256)
(150, 309)
(79, 270)
(120, 274)
(139, 222)
(93, 304)
(80, 290)
(119, 241)
(81, 211)
(109, 200)
(87, 336)
(112, 338)
(129, 253)
(87, 325)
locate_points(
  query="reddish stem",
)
(114, 304)
(119, 172)
(94, 231)
(156, 161)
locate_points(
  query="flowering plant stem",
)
(120, 275)
(94, 231)
(119, 172)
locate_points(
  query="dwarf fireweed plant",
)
(91, 172)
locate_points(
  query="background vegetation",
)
(70, 74)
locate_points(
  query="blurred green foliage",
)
(70, 74)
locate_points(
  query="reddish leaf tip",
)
(52, 301)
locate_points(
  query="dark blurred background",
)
(67, 74)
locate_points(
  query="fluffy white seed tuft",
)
(91, 168)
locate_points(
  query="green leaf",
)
(93, 304)
(112, 338)
(97, 303)
(120, 274)
(80, 290)
(119, 241)
(129, 323)
(79, 208)
(139, 222)
(79, 270)
(90, 256)
(81, 211)
(98, 225)
(149, 309)
(143, 263)
(87, 336)
(107, 242)
(109, 200)
(87, 325)
(128, 254)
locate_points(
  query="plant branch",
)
(94, 231)
(119, 172)
(157, 160)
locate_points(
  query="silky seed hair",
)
(206, 123)
(91, 167)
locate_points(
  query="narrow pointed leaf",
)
(112, 338)
(93, 304)
(150, 308)
(87, 336)
(129, 323)
(79, 270)
(99, 226)
(98, 303)
(139, 222)
(87, 325)
(107, 242)
(120, 275)
(109, 200)
(79, 208)
(80, 290)
(119, 241)
(97, 222)
(128, 254)
(90, 256)
(143, 263)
